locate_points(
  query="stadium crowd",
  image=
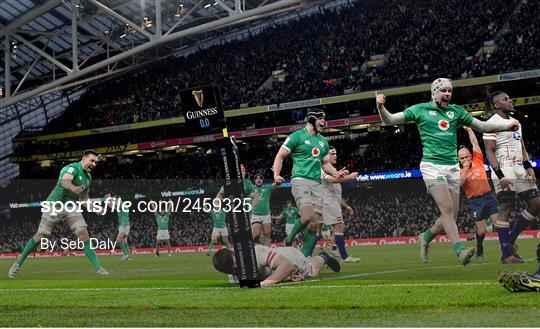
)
(323, 55)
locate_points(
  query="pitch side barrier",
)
(212, 189)
(379, 241)
(301, 104)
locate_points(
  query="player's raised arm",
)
(387, 117)
(473, 140)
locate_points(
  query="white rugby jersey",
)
(331, 190)
(266, 257)
(508, 143)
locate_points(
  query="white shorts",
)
(307, 192)
(434, 174)
(124, 229)
(263, 219)
(220, 231)
(163, 235)
(288, 228)
(332, 212)
(74, 220)
(518, 176)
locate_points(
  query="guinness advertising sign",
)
(203, 109)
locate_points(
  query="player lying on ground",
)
(278, 264)
(438, 122)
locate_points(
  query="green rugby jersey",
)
(438, 130)
(263, 207)
(307, 152)
(290, 214)
(163, 221)
(80, 178)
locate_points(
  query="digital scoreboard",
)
(203, 109)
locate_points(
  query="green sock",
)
(125, 248)
(226, 244)
(91, 255)
(458, 247)
(210, 247)
(310, 238)
(298, 227)
(428, 236)
(30, 246)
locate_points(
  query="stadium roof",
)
(58, 44)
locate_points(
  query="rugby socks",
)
(298, 227)
(428, 236)
(310, 240)
(503, 231)
(523, 220)
(210, 247)
(480, 244)
(124, 247)
(459, 247)
(91, 255)
(340, 242)
(334, 247)
(30, 246)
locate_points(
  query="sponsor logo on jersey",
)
(321, 144)
(516, 135)
(443, 125)
(432, 113)
(450, 114)
(315, 152)
(307, 142)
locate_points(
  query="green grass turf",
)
(389, 287)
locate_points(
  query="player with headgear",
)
(438, 122)
(309, 151)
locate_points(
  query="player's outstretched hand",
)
(380, 99)
(514, 125)
(343, 172)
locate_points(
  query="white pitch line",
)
(296, 286)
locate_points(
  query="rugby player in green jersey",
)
(220, 234)
(122, 214)
(249, 190)
(260, 215)
(291, 214)
(309, 150)
(438, 122)
(163, 216)
(73, 186)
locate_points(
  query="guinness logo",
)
(199, 97)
